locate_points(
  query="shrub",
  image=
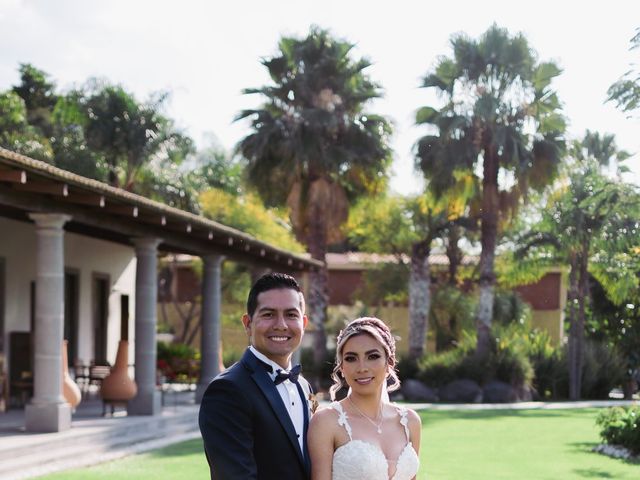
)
(319, 375)
(621, 426)
(178, 362)
(603, 370)
(231, 356)
(550, 370)
(438, 370)
(512, 366)
(407, 367)
(506, 362)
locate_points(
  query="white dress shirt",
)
(289, 394)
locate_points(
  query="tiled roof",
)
(360, 260)
(117, 197)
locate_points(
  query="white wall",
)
(83, 254)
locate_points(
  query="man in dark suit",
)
(254, 416)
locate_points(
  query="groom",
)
(254, 416)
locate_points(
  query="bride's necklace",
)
(377, 425)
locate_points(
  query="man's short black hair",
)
(269, 281)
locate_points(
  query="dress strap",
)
(342, 418)
(404, 421)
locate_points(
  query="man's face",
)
(277, 325)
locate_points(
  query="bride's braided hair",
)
(377, 329)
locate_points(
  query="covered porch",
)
(60, 228)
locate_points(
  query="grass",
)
(456, 445)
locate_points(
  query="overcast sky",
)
(206, 52)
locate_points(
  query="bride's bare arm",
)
(320, 440)
(415, 430)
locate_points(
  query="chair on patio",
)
(97, 373)
(81, 376)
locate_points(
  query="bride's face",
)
(364, 364)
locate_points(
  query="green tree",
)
(591, 224)
(313, 148)
(128, 133)
(618, 325)
(178, 180)
(15, 132)
(626, 91)
(40, 98)
(501, 123)
(405, 226)
(247, 213)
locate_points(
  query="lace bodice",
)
(362, 460)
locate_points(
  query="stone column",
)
(148, 399)
(48, 411)
(210, 322)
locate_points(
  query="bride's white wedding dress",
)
(362, 460)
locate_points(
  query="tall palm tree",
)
(500, 123)
(591, 222)
(313, 148)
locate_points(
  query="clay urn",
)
(118, 386)
(70, 390)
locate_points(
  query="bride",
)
(364, 436)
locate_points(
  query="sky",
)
(205, 52)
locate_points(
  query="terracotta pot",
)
(70, 390)
(118, 386)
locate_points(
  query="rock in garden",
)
(499, 392)
(461, 391)
(416, 391)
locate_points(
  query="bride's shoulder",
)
(324, 421)
(326, 412)
(412, 417)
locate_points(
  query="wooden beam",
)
(124, 228)
(53, 188)
(153, 218)
(13, 176)
(127, 210)
(91, 199)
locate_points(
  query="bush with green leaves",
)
(178, 362)
(319, 374)
(603, 370)
(621, 426)
(507, 361)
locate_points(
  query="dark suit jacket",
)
(246, 428)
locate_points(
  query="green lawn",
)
(456, 445)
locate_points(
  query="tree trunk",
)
(454, 254)
(419, 298)
(318, 293)
(489, 233)
(579, 293)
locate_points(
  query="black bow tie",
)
(292, 375)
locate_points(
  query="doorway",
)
(71, 307)
(100, 303)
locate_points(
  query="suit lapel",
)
(306, 412)
(264, 382)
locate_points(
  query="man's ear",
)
(246, 321)
(305, 320)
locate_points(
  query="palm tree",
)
(626, 91)
(500, 123)
(591, 222)
(313, 148)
